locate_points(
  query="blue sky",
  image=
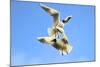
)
(29, 21)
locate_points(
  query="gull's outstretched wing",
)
(47, 40)
(54, 13)
(66, 19)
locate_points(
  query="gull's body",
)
(61, 43)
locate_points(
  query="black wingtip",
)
(66, 20)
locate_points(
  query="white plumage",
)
(54, 38)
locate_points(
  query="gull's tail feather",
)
(66, 51)
(62, 52)
(69, 49)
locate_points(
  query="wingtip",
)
(42, 5)
(70, 16)
(41, 39)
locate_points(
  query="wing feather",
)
(54, 13)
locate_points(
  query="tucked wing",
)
(54, 13)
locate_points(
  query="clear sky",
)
(29, 21)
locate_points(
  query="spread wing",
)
(54, 13)
(47, 40)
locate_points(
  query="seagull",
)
(60, 42)
(61, 45)
(58, 25)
